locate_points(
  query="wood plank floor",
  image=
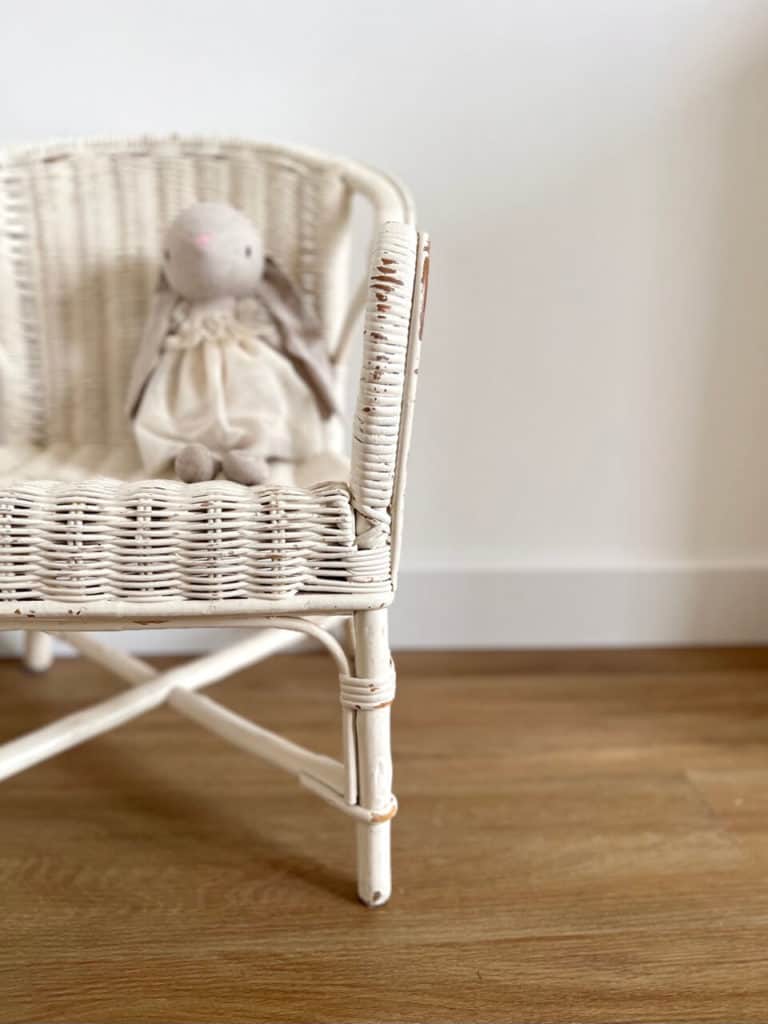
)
(582, 837)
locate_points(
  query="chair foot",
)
(38, 651)
(374, 872)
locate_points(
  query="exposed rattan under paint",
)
(79, 234)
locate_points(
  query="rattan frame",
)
(67, 596)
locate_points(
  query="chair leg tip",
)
(35, 670)
(38, 652)
(373, 898)
(377, 899)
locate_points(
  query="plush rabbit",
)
(231, 372)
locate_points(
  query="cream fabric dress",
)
(221, 382)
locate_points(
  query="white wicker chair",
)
(86, 544)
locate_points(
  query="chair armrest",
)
(394, 318)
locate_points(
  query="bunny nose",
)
(202, 241)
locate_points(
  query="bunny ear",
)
(301, 340)
(281, 288)
(148, 353)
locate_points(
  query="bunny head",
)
(212, 251)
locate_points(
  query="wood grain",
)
(582, 837)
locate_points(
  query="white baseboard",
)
(600, 607)
(498, 608)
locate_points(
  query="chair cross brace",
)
(334, 781)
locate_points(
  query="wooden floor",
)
(581, 838)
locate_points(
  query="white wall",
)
(591, 424)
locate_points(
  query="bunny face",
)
(212, 251)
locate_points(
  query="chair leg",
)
(374, 881)
(38, 651)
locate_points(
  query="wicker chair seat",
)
(71, 531)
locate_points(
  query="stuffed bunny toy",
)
(231, 373)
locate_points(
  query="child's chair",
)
(87, 544)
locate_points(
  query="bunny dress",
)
(222, 381)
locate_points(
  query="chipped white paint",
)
(82, 552)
